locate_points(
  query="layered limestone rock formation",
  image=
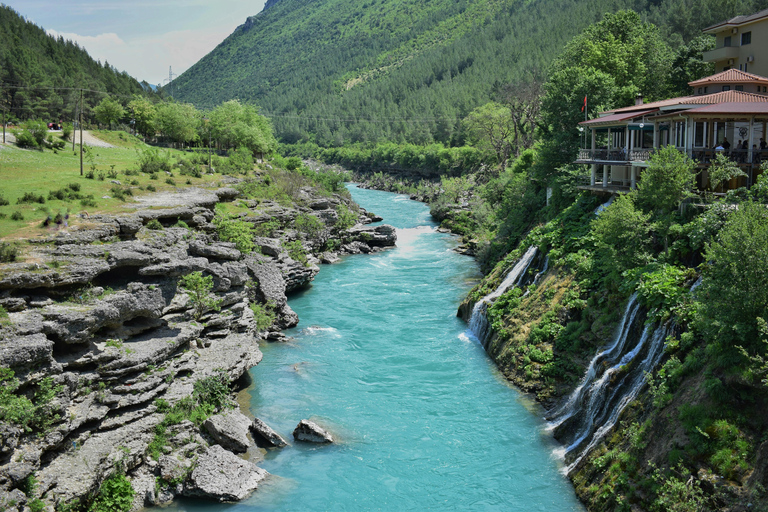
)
(99, 313)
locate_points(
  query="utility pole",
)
(74, 120)
(81, 132)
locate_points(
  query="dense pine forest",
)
(41, 77)
(340, 72)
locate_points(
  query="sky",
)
(144, 37)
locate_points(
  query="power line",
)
(271, 115)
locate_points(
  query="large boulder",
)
(223, 476)
(230, 430)
(264, 435)
(311, 432)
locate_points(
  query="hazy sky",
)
(142, 37)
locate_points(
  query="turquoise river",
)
(422, 419)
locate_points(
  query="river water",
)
(422, 419)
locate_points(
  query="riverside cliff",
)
(123, 362)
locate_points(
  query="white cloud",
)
(149, 57)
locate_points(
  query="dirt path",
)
(88, 137)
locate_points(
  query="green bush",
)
(36, 414)
(153, 160)
(231, 229)
(17, 215)
(199, 289)
(346, 217)
(115, 495)
(154, 224)
(3, 201)
(309, 225)
(8, 252)
(25, 139)
(296, 251)
(267, 229)
(31, 197)
(263, 315)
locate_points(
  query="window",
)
(699, 135)
(726, 88)
(739, 88)
(699, 90)
(727, 41)
(746, 38)
(680, 134)
(705, 90)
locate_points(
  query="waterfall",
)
(539, 275)
(613, 380)
(478, 322)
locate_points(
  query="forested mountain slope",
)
(41, 76)
(338, 71)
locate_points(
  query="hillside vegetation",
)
(42, 77)
(336, 71)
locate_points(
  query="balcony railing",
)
(614, 155)
(603, 155)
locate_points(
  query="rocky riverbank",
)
(108, 348)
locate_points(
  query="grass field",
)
(46, 173)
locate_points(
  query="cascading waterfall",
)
(539, 275)
(478, 322)
(613, 380)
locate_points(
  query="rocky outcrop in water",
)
(311, 432)
(98, 318)
(264, 434)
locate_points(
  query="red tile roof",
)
(733, 76)
(732, 108)
(705, 99)
(723, 97)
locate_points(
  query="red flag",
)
(585, 104)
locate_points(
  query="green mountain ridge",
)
(41, 76)
(338, 72)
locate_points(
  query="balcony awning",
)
(615, 119)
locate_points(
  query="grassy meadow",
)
(37, 184)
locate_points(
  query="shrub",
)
(31, 197)
(263, 315)
(310, 226)
(296, 251)
(152, 161)
(154, 224)
(36, 414)
(115, 495)
(3, 201)
(231, 229)
(267, 228)
(66, 131)
(25, 139)
(346, 217)
(17, 215)
(199, 289)
(8, 252)
(170, 182)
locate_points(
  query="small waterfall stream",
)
(613, 380)
(478, 322)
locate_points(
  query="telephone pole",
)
(81, 132)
